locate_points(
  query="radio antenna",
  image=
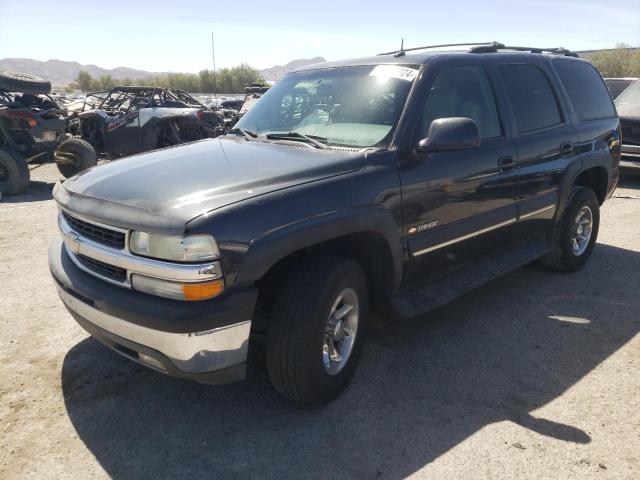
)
(400, 53)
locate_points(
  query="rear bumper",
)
(630, 157)
(203, 341)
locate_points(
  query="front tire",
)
(316, 335)
(574, 236)
(14, 172)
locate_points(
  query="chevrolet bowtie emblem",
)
(208, 270)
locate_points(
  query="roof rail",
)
(555, 50)
(402, 50)
(485, 47)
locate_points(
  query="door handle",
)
(566, 149)
(505, 164)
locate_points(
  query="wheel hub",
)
(581, 231)
(340, 331)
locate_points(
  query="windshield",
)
(628, 103)
(347, 106)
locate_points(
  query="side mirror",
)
(449, 134)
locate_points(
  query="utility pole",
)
(213, 54)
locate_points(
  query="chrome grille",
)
(103, 235)
(104, 269)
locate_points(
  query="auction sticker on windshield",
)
(385, 72)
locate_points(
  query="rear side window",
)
(534, 103)
(587, 91)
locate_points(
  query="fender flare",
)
(267, 250)
(575, 169)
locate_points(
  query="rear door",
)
(595, 117)
(545, 139)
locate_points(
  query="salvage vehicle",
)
(396, 182)
(32, 128)
(252, 94)
(628, 105)
(618, 85)
(91, 101)
(131, 120)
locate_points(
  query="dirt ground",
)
(536, 375)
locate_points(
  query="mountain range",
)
(61, 73)
(277, 71)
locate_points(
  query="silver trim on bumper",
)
(630, 149)
(630, 164)
(79, 245)
(199, 352)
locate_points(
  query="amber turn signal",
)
(202, 291)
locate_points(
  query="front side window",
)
(356, 106)
(534, 103)
(586, 90)
(463, 92)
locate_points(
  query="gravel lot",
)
(535, 375)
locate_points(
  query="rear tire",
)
(14, 172)
(322, 299)
(84, 156)
(573, 245)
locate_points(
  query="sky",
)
(163, 36)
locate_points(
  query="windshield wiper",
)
(247, 134)
(313, 140)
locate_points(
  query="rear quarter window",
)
(586, 89)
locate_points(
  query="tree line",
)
(226, 80)
(622, 61)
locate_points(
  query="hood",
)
(164, 189)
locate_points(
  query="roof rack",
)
(555, 50)
(484, 47)
(401, 52)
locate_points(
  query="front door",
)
(459, 205)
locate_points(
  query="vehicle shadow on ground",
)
(423, 386)
(37, 192)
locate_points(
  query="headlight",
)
(181, 248)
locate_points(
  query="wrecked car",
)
(132, 120)
(251, 96)
(32, 127)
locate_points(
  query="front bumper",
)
(204, 341)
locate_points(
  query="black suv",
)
(395, 182)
